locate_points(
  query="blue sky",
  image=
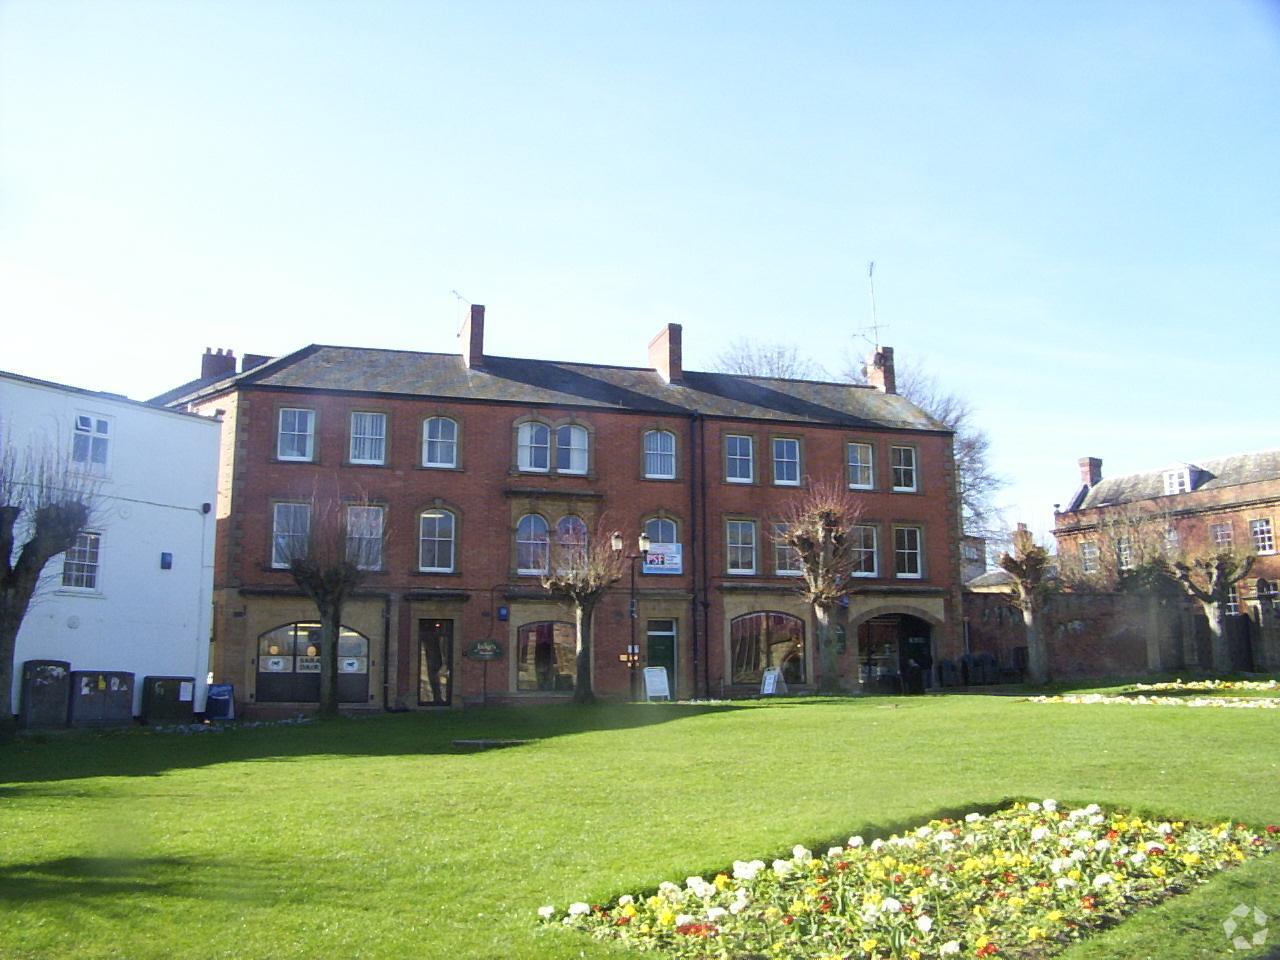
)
(1074, 208)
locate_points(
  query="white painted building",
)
(135, 594)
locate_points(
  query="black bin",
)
(168, 698)
(46, 687)
(100, 698)
(220, 703)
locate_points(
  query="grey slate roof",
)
(554, 383)
(1207, 475)
(990, 580)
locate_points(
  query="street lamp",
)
(632, 656)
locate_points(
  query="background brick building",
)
(475, 461)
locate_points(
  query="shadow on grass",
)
(132, 752)
(108, 877)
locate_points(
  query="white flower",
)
(1138, 858)
(669, 890)
(737, 907)
(625, 899)
(924, 922)
(1097, 820)
(1092, 809)
(877, 844)
(834, 851)
(547, 912)
(1051, 805)
(1103, 880)
(890, 905)
(579, 908)
(949, 948)
(1059, 864)
(801, 853)
(1033, 807)
(1065, 883)
(855, 842)
(747, 870)
(715, 913)
(1103, 844)
(1165, 828)
(782, 867)
(924, 832)
(1078, 855)
(1039, 833)
(700, 887)
(972, 817)
(683, 918)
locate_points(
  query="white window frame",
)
(779, 461)
(1177, 481)
(277, 533)
(1172, 542)
(1216, 531)
(1124, 553)
(95, 431)
(444, 443)
(660, 521)
(1233, 601)
(545, 541)
(309, 434)
(83, 561)
(903, 550)
(731, 458)
(735, 540)
(656, 456)
(874, 550)
(910, 468)
(374, 436)
(437, 513)
(784, 552)
(1263, 536)
(869, 466)
(364, 535)
(526, 447)
(575, 451)
(1090, 557)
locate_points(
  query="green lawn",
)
(374, 838)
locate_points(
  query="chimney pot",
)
(880, 371)
(472, 337)
(666, 353)
(1090, 471)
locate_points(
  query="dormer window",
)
(1177, 481)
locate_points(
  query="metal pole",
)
(633, 650)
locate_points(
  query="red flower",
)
(1113, 835)
(703, 930)
(1010, 877)
(788, 920)
(1156, 851)
(899, 878)
(623, 921)
(842, 866)
(989, 950)
(1087, 902)
(1273, 829)
(926, 871)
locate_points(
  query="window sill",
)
(739, 481)
(80, 592)
(905, 489)
(418, 572)
(453, 468)
(908, 576)
(740, 573)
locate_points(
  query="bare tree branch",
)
(754, 358)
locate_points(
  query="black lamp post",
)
(632, 656)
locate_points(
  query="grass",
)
(375, 838)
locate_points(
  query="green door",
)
(661, 649)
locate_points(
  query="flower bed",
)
(1244, 703)
(1024, 880)
(1241, 686)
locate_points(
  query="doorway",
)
(435, 663)
(660, 649)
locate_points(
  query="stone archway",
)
(895, 648)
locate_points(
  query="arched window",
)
(533, 442)
(546, 657)
(571, 543)
(532, 544)
(662, 530)
(758, 641)
(660, 455)
(439, 442)
(437, 533)
(571, 449)
(289, 665)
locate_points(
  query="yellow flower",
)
(1035, 933)
(629, 910)
(1157, 870)
(798, 906)
(1075, 875)
(667, 917)
(1053, 916)
(1017, 902)
(869, 945)
(721, 881)
(772, 913)
(1191, 859)
(981, 942)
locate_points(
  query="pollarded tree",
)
(1211, 579)
(330, 544)
(1029, 565)
(582, 567)
(819, 527)
(46, 502)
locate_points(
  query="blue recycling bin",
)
(220, 703)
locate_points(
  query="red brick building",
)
(475, 464)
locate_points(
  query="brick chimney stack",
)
(1090, 471)
(218, 364)
(251, 360)
(472, 337)
(880, 371)
(665, 353)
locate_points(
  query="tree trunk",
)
(1037, 650)
(330, 624)
(828, 670)
(1216, 614)
(583, 615)
(8, 645)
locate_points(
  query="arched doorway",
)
(768, 638)
(546, 657)
(895, 653)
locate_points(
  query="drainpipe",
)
(701, 464)
(694, 553)
(386, 654)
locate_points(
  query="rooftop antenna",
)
(874, 339)
(461, 312)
